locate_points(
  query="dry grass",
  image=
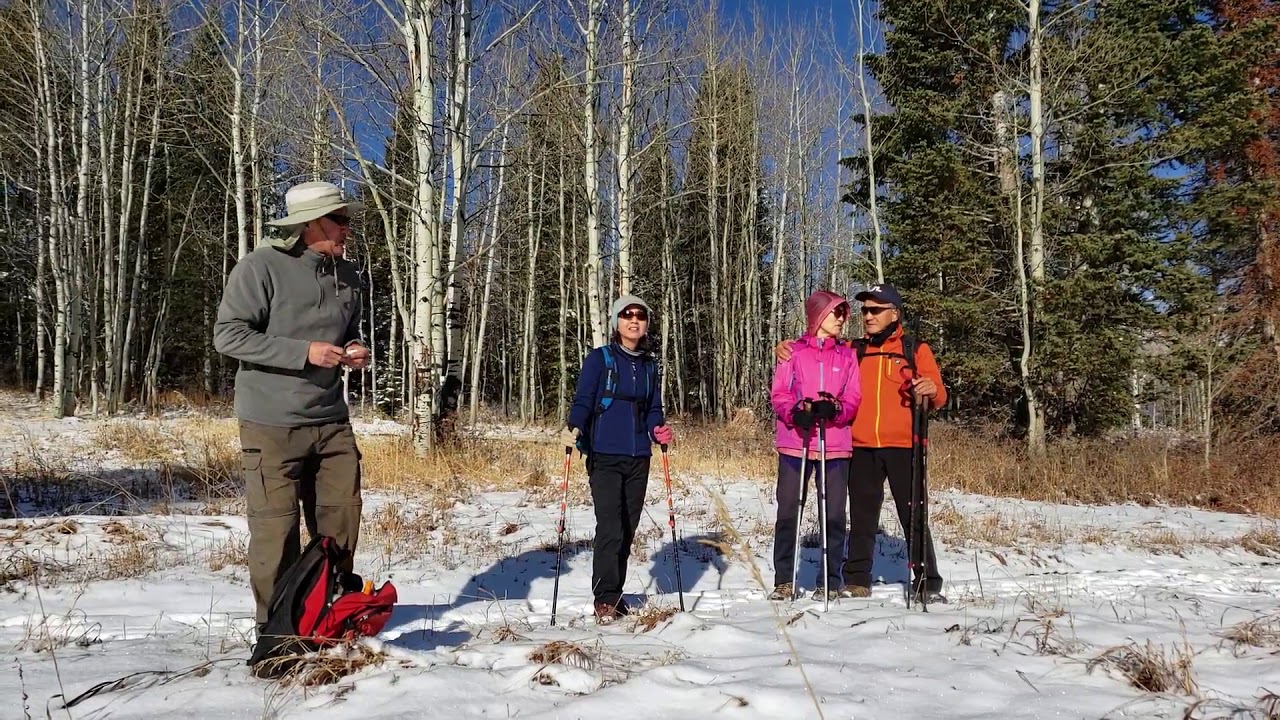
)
(1148, 668)
(138, 441)
(232, 552)
(648, 617)
(1260, 632)
(1241, 478)
(561, 652)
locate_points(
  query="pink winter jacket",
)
(815, 366)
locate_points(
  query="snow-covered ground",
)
(1050, 606)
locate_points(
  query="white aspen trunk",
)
(491, 253)
(626, 131)
(780, 230)
(1035, 412)
(531, 243)
(255, 109)
(237, 134)
(591, 171)
(460, 133)
(869, 146)
(42, 255)
(713, 232)
(140, 246)
(562, 394)
(428, 335)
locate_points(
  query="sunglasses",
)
(875, 310)
(634, 313)
(841, 311)
(343, 220)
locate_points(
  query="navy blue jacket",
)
(626, 426)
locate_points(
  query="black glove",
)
(825, 410)
(802, 418)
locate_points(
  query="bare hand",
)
(357, 356)
(782, 350)
(925, 387)
(325, 355)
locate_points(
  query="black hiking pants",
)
(618, 486)
(867, 472)
(784, 530)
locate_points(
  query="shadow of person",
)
(697, 555)
(509, 578)
(889, 563)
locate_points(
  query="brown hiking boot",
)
(855, 591)
(606, 613)
(783, 591)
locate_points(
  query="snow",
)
(1038, 592)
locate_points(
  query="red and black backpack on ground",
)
(316, 604)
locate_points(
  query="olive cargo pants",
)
(318, 465)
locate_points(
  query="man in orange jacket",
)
(882, 436)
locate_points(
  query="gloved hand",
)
(663, 435)
(825, 410)
(569, 436)
(802, 416)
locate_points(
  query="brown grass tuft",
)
(232, 552)
(647, 618)
(1259, 632)
(1147, 667)
(561, 652)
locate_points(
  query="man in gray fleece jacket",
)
(291, 315)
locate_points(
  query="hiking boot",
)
(783, 591)
(606, 613)
(855, 591)
(831, 594)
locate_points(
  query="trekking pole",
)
(922, 507)
(804, 495)
(915, 521)
(822, 509)
(564, 509)
(671, 520)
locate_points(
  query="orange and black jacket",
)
(884, 418)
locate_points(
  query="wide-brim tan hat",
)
(310, 200)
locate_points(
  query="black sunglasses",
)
(636, 313)
(841, 311)
(875, 310)
(343, 220)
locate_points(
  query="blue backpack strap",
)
(610, 380)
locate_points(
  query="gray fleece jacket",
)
(276, 303)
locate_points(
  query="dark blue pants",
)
(784, 531)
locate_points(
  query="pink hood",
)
(817, 366)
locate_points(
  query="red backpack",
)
(316, 604)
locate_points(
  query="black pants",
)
(867, 472)
(784, 531)
(618, 485)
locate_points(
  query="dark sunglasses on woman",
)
(636, 313)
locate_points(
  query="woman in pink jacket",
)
(819, 380)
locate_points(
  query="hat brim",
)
(874, 296)
(306, 216)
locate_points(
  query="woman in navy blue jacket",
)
(615, 418)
